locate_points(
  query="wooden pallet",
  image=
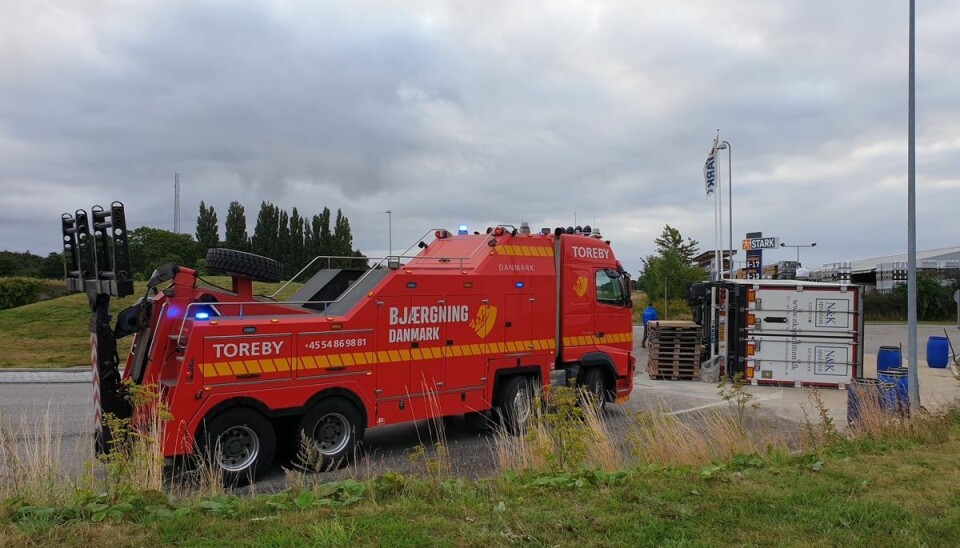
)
(675, 350)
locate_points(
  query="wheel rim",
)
(237, 448)
(521, 407)
(332, 434)
(596, 388)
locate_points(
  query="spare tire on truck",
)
(245, 265)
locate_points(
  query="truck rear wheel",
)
(246, 265)
(332, 430)
(239, 444)
(515, 404)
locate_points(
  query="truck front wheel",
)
(594, 383)
(239, 444)
(329, 433)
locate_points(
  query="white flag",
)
(710, 168)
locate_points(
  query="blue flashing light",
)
(518, 284)
(463, 230)
(202, 315)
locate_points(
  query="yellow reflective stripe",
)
(252, 366)
(267, 366)
(347, 359)
(383, 357)
(394, 355)
(405, 355)
(335, 360)
(360, 358)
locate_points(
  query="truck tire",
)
(515, 404)
(239, 443)
(594, 382)
(246, 265)
(333, 428)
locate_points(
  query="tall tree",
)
(236, 228)
(326, 238)
(343, 240)
(208, 231)
(671, 240)
(668, 272)
(152, 247)
(284, 245)
(264, 241)
(297, 256)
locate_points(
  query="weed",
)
(736, 394)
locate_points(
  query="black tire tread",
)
(231, 262)
(350, 411)
(510, 388)
(213, 427)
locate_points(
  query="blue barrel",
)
(859, 393)
(889, 357)
(888, 396)
(937, 352)
(898, 376)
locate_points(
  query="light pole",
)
(729, 148)
(814, 244)
(390, 231)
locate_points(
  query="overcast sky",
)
(483, 113)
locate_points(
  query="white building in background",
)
(883, 273)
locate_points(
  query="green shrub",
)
(16, 292)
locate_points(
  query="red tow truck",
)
(470, 323)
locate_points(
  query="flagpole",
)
(720, 247)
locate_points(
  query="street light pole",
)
(726, 145)
(798, 246)
(390, 231)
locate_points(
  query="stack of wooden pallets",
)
(674, 350)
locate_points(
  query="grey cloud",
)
(482, 113)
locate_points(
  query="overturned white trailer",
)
(783, 332)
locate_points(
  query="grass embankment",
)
(892, 482)
(56, 333)
(896, 491)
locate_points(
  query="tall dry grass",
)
(699, 437)
(571, 434)
(694, 438)
(31, 465)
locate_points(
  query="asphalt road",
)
(471, 449)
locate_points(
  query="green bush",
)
(16, 292)
(934, 301)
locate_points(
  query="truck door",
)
(577, 322)
(425, 333)
(392, 374)
(466, 360)
(612, 327)
(518, 323)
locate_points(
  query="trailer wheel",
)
(240, 444)
(515, 404)
(594, 383)
(332, 431)
(246, 265)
